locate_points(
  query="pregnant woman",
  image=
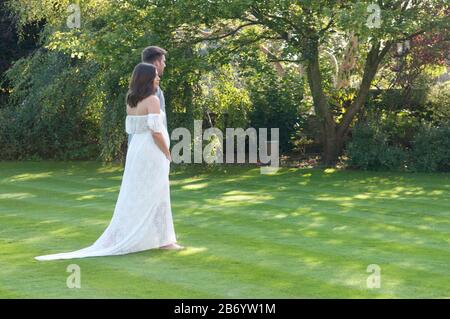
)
(142, 217)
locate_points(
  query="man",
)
(156, 56)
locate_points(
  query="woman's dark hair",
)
(141, 83)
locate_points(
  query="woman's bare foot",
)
(172, 246)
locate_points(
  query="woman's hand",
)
(159, 140)
(168, 156)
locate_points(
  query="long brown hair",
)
(141, 83)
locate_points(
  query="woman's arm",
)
(159, 140)
(153, 107)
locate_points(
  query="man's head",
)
(156, 56)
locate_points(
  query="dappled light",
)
(242, 220)
(224, 149)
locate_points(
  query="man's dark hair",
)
(152, 54)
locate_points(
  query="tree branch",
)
(232, 32)
(278, 66)
(284, 60)
(409, 37)
(372, 62)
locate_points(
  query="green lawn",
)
(301, 233)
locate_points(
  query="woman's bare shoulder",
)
(151, 104)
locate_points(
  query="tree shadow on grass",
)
(305, 231)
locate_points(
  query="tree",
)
(11, 46)
(303, 30)
(106, 44)
(413, 57)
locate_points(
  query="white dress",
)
(142, 216)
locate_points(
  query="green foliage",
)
(98, 59)
(370, 149)
(426, 103)
(302, 32)
(438, 104)
(225, 95)
(277, 103)
(431, 151)
(107, 47)
(395, 100)
(388, 141)
(51, 113)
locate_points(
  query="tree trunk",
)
(331, 147)
(372, 62)
(321, 107)
(334, 135)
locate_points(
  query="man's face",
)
(160, 65)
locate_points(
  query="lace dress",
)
(142, 216)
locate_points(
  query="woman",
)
(142, 217)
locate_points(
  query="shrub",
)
(48, 115)
(431, 149)
(438, 105)
(370, 149)
(277, 103)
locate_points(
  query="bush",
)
(431, 149)
(438, 104)
(277, 103)
(48, 115)
(393, 158)
(225, 98)
(375, 147)
(370, 149)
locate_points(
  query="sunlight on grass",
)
(112, 189)
(87, 197)
(29, 176)
(187, 251)
(16, 195)
(362, 196)
(195, 186)
(280, 216)
(334, 198)
(299, 233)
(237, 196)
